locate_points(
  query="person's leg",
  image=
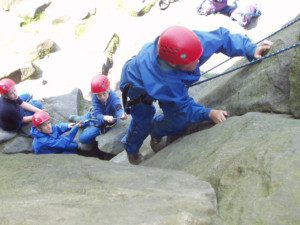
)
(89, 134)
(139, 128)
(26, 97)
(36, 103)
(172, 123)
(72, 148)
(94, 151)
(164, 126)
(168, 124)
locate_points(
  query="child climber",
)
(106, 110)
(15, 110)
(242, 12)
(49, 139)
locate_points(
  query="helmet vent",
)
(183, 56)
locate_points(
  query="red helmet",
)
(99, 84)
(179, 46)
(5, 85)
(39, 118)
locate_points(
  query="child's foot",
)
(158, 144)
(135, 159)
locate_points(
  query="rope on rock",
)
(249, 63)
(284, 27)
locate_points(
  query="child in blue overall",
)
(15, 110)
(49, 139)
(163, 70)
(106, 110)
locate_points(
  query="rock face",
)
(110, 142)
(66, 189)
(252, 161)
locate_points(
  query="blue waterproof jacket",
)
(170, 87)
(112, 107)
(55, 142)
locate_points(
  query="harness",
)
(127, 104)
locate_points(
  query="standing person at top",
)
(106, 110)
(15, 110)
(162, 71)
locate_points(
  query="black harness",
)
(127, 104)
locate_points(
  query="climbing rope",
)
(250, 63)
(287, 25)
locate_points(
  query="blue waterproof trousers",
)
(26, 97)
(172, 122)
(139, 128)
(91, 129)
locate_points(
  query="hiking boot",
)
(135, 158)
(158, 144)
(74, 119)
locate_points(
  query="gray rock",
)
(110, 142)
(20, 71)
(29, 10)
(19, 144)
(252, 161)
(69, 189)
(295, 85)
(6, 136)
(61, 107)
(45, 48)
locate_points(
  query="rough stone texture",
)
(61, 107)
(295, 84)
(21, 73)
(68, 189)
(253, 163)
(30, 9)
(19, 144)
(110, 142)
(45, 48)
(264, 87)
(5, 135)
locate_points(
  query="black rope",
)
(250, 63)
(287, 25)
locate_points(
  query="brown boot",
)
(158, 144)
(135, 159)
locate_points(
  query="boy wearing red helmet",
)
(15, 110)
(163, 70)
(48, 138)
(106, 109)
